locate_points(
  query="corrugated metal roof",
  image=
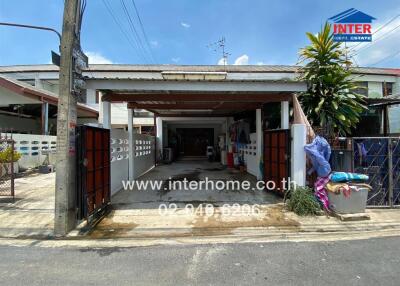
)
(190, 68)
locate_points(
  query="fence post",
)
(12, 168)
(390, 173)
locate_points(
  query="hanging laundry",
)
(319, 152)
(320, 191)
(361, 153)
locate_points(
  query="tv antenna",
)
(220, 46)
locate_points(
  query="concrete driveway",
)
(32, 212)
(193, 171)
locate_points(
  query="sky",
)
(184, 31)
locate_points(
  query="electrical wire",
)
(386, 58)
(383, 36)
(120, 26)
(133, 28)
(143, 30)
(380, 28)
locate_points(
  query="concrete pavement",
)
(30, 220)
(361, 262)
(31, 214)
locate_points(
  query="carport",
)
(202, 96)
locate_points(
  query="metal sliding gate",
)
(277, 157)
(93, 171)
(379, 158)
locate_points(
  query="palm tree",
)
(330, 101)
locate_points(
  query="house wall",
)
(375, 89)
(394, 119)
(19, 124)
(396, 86)
(34, 149)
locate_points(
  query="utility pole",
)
(65, 205)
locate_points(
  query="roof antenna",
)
(220, 45)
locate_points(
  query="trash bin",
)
(355, 203)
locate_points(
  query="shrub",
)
(9, 154)
(302, 202)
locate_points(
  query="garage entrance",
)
(194, 110)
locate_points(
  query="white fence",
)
(119, 159)
(34, 149)
(143, 160)
(249, 153)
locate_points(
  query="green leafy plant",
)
(9, 155)
(330, 100)
(302, 201)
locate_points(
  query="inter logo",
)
(352, 26)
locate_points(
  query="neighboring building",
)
(27, 109)
(376, 82)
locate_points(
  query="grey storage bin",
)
(356, 203)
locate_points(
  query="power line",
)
(133, 28)
(386, 58)
(380, 28)
(143, 30)
(383, 36)
(120, 26)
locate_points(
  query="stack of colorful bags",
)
(339, 182)
(319, 153)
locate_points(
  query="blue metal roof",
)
(352, 16)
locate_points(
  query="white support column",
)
(285, 115)
(159, 137)
(105, 117)
(259, 139)
(131, 172)
(90, 96)
(298, 160)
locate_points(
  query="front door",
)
(194, 141)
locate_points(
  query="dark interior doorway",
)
(194, 141)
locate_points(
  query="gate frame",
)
(288, 139)
(82, 200)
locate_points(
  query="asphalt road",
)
(362, 262)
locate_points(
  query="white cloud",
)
(185, 25)
(222, 61)
(97, 58)
(242, 60)
(175, 60)
(154, 43)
